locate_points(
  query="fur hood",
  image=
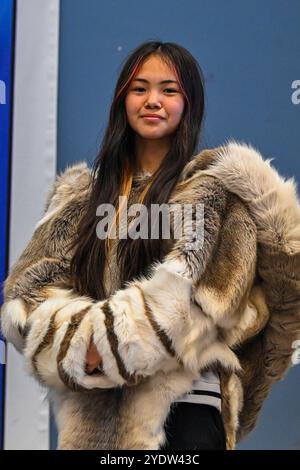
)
(233, 304)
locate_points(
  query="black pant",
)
(194, 427)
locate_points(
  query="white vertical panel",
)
(33, 172)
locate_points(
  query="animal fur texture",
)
(231, 305)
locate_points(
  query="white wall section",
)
(33, 172)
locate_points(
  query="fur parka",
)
(233, 304)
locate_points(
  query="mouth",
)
(152, 118)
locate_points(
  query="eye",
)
(172, 90)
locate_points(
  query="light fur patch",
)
(50, 213)
(13, 317)
(246, 323)
(139, 345)
(221, 353)
(63, 190)
(272, 200)
(176, 266)
(211, 303)
(46, 361)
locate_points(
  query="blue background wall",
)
(249, 53)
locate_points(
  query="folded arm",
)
(150, 325)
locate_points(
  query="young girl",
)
(119, 327)
(160, 122)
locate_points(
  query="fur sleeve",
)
(45, 260)
(274, 205)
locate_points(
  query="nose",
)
(153, 100)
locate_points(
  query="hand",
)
(93, 359)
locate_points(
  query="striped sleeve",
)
(150, 326)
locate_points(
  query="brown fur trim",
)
(65, 344)
(47, 341)
(162, 336)
(114, 343)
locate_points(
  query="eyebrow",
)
(147, 81)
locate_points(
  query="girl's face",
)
(147, 95)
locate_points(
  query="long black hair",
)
(114, 165)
